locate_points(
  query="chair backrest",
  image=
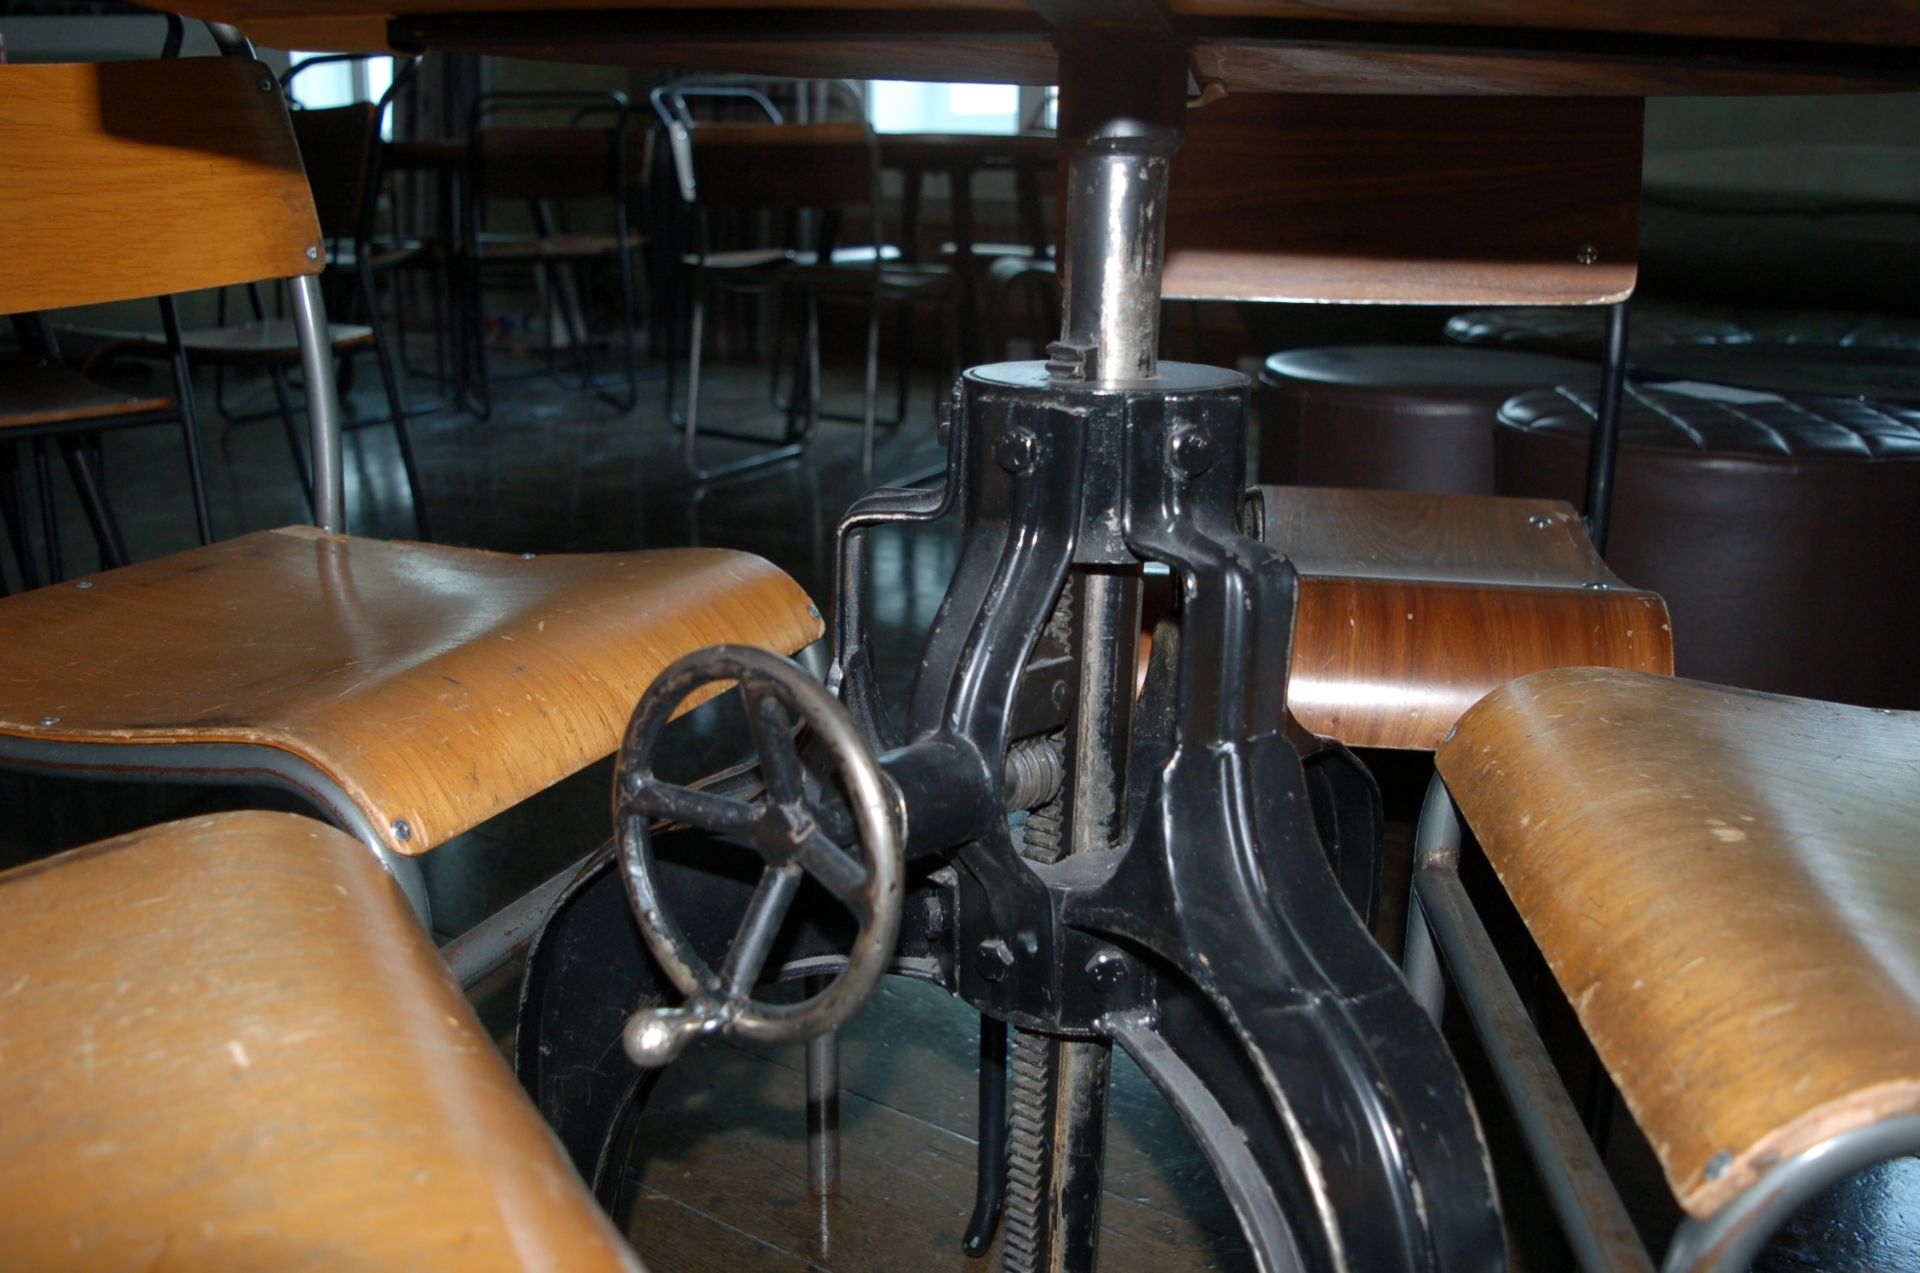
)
(339, 144)
(124, 180)
(769, 162)
(1406, 200)
(581, 157)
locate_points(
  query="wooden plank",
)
(435, 686)
(229, 1045)
(130, 179)
(1443, 200)
(1727, 887)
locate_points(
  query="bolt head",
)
(1016, 450)
(402, 830)
(313, 251)
(813, 612)
(84, 584)
(1107, 969)
(993, 960)
(1587, 254)
(266, 85)
(1191, 450)
(1719, 1165)
(1540, 521)
(49, 720)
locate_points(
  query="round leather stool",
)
(1394, 417)
(1780, 530)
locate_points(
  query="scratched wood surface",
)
(227, 1044)
(129, 179)
(1412, 606)
(435, 686)
(1299, 197)
(726, 1186)
(1726, 885)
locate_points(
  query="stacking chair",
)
(229, 1046)
(810, 177)
(407, 691)
(552, 169)
(1726, 887)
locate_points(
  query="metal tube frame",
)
(1446, 941)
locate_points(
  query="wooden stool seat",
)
(429, 687)
(1727, 886)
(35, 392)
(229, 1046)
(1414, 605)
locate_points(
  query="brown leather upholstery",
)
(1394, 417)
(1413, 606)
(1781, 532)
(228, 1046)
(433, 687)
(1726, 886)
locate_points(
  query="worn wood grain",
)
(1294, 197)
(1727, 886)
(121, 180)
(1412, 606)
(435, 686)
(227, 1044)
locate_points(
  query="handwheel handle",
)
(781, 826)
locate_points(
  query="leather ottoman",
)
(1394, 417)
(1780, 530)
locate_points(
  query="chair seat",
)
(1727, 886)
(1412, 606)
(33, 392)
(229, 1046)
(415, 689)
(266, 340)
(555, 247)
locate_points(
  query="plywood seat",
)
(266, 339)
(44, 392)
(1727, 886)
(1412, 606)
(552, 247)
(412, 691)
(229, 1046)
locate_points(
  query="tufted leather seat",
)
(1581, 332)
(1394, 417)
(1779, 529)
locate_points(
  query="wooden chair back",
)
(124, 180)
(1406, 200)
(338, 145)
(783, 166)
(549, 162)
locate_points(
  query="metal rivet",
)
(84, 583)
(528, 556)
(1016, 449)
(266, 85)
(1719, 1165)
(993, 960)
(1540, 521)
(1586, 254)
(813, 612)
(1599, 585)
(49, 720)
(313, 252)
(401, 831)
(1192, 450)
(1107, 969)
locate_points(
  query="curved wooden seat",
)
(1727, 886)
(1413, 606)
(430, 687)
(229, 1046)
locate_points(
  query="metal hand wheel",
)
(782, 827)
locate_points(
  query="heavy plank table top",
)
(1534, 47)
(1726, 885)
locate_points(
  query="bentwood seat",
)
(1726, 885)
(229, 1046)
(409, 691)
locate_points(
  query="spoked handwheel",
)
(784, 826)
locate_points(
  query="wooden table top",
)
(1525, 47)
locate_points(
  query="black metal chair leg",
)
(1603, 453)
(93, 502)
(284, 397)
(13, 510)
(390, 379)
(49, 520)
